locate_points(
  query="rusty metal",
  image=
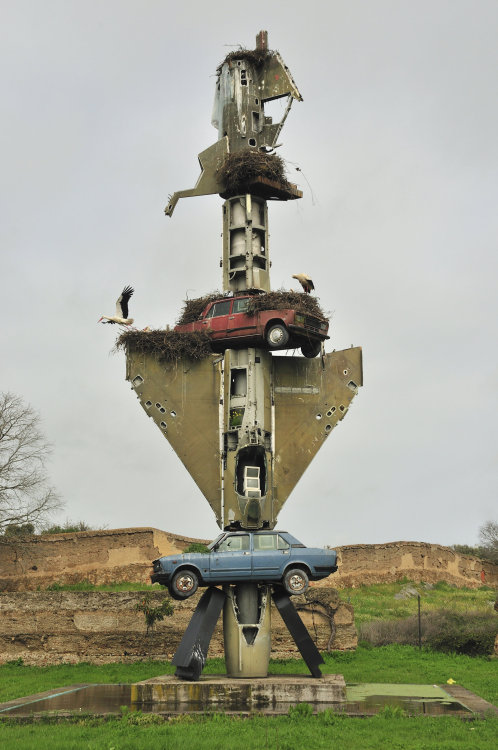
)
(243, 86)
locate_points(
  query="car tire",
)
(184, 584)
(296, 581)
(173, 595)
(311, 349)
(277, 336)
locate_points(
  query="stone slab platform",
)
(222, 692)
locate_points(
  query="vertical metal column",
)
(246, 262)
(248, 458)
(247, 629)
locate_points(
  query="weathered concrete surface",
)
(240, 694)
(126, 555)
(102, 627)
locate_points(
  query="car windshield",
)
(215, 541)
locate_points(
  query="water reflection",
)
(110, 699)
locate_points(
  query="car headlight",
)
(299, 319)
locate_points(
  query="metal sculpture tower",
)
(247, 423)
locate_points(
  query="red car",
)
(228, 324)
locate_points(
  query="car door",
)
(240, 324)
(218, 321)
(271, 554)
(231, 561)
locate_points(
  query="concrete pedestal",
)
(222, 693)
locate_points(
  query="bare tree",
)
(26, 496)
(488, 536)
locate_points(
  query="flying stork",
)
(121, 316)
(305, 281)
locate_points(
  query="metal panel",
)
(182, 398)
(311, 397)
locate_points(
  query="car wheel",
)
(277, 335)
(296, 581)
(173, 594)
(311, 349)
(184, 584)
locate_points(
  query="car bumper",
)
(307, 333)
(162, 578)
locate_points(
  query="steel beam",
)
(298, 631)
(191, 654)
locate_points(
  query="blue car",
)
(238, 556)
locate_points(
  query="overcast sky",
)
(105, 105)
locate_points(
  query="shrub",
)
(471, 633)
(19, 529)
(69, 527)
(197, 547)
(154, 614)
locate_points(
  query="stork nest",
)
(165, 345)
(281, 299)
(192, 308)
(256, 57)
(240, 169)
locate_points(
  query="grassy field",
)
(137, 731)
(145, 732)
(377, 602)
(398, 664)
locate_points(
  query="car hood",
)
(194, 557)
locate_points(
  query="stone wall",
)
(103, 627)
(126, 555)
(361, 564)
(99, 557)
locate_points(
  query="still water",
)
(362, 698)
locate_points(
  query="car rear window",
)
(269, 542)
(240, 305)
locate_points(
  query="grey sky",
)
(104, 107)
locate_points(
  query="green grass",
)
(377, 602)
(398, 664)
(325, 731)
(87, 586)
(136, 731)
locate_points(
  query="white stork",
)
(305, 281)
(121, 316)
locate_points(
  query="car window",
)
(282, 544)
(221, 308)
(265, 541)
(215, 541)
(240, 305)
(234, 543)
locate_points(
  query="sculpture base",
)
(222, 693)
